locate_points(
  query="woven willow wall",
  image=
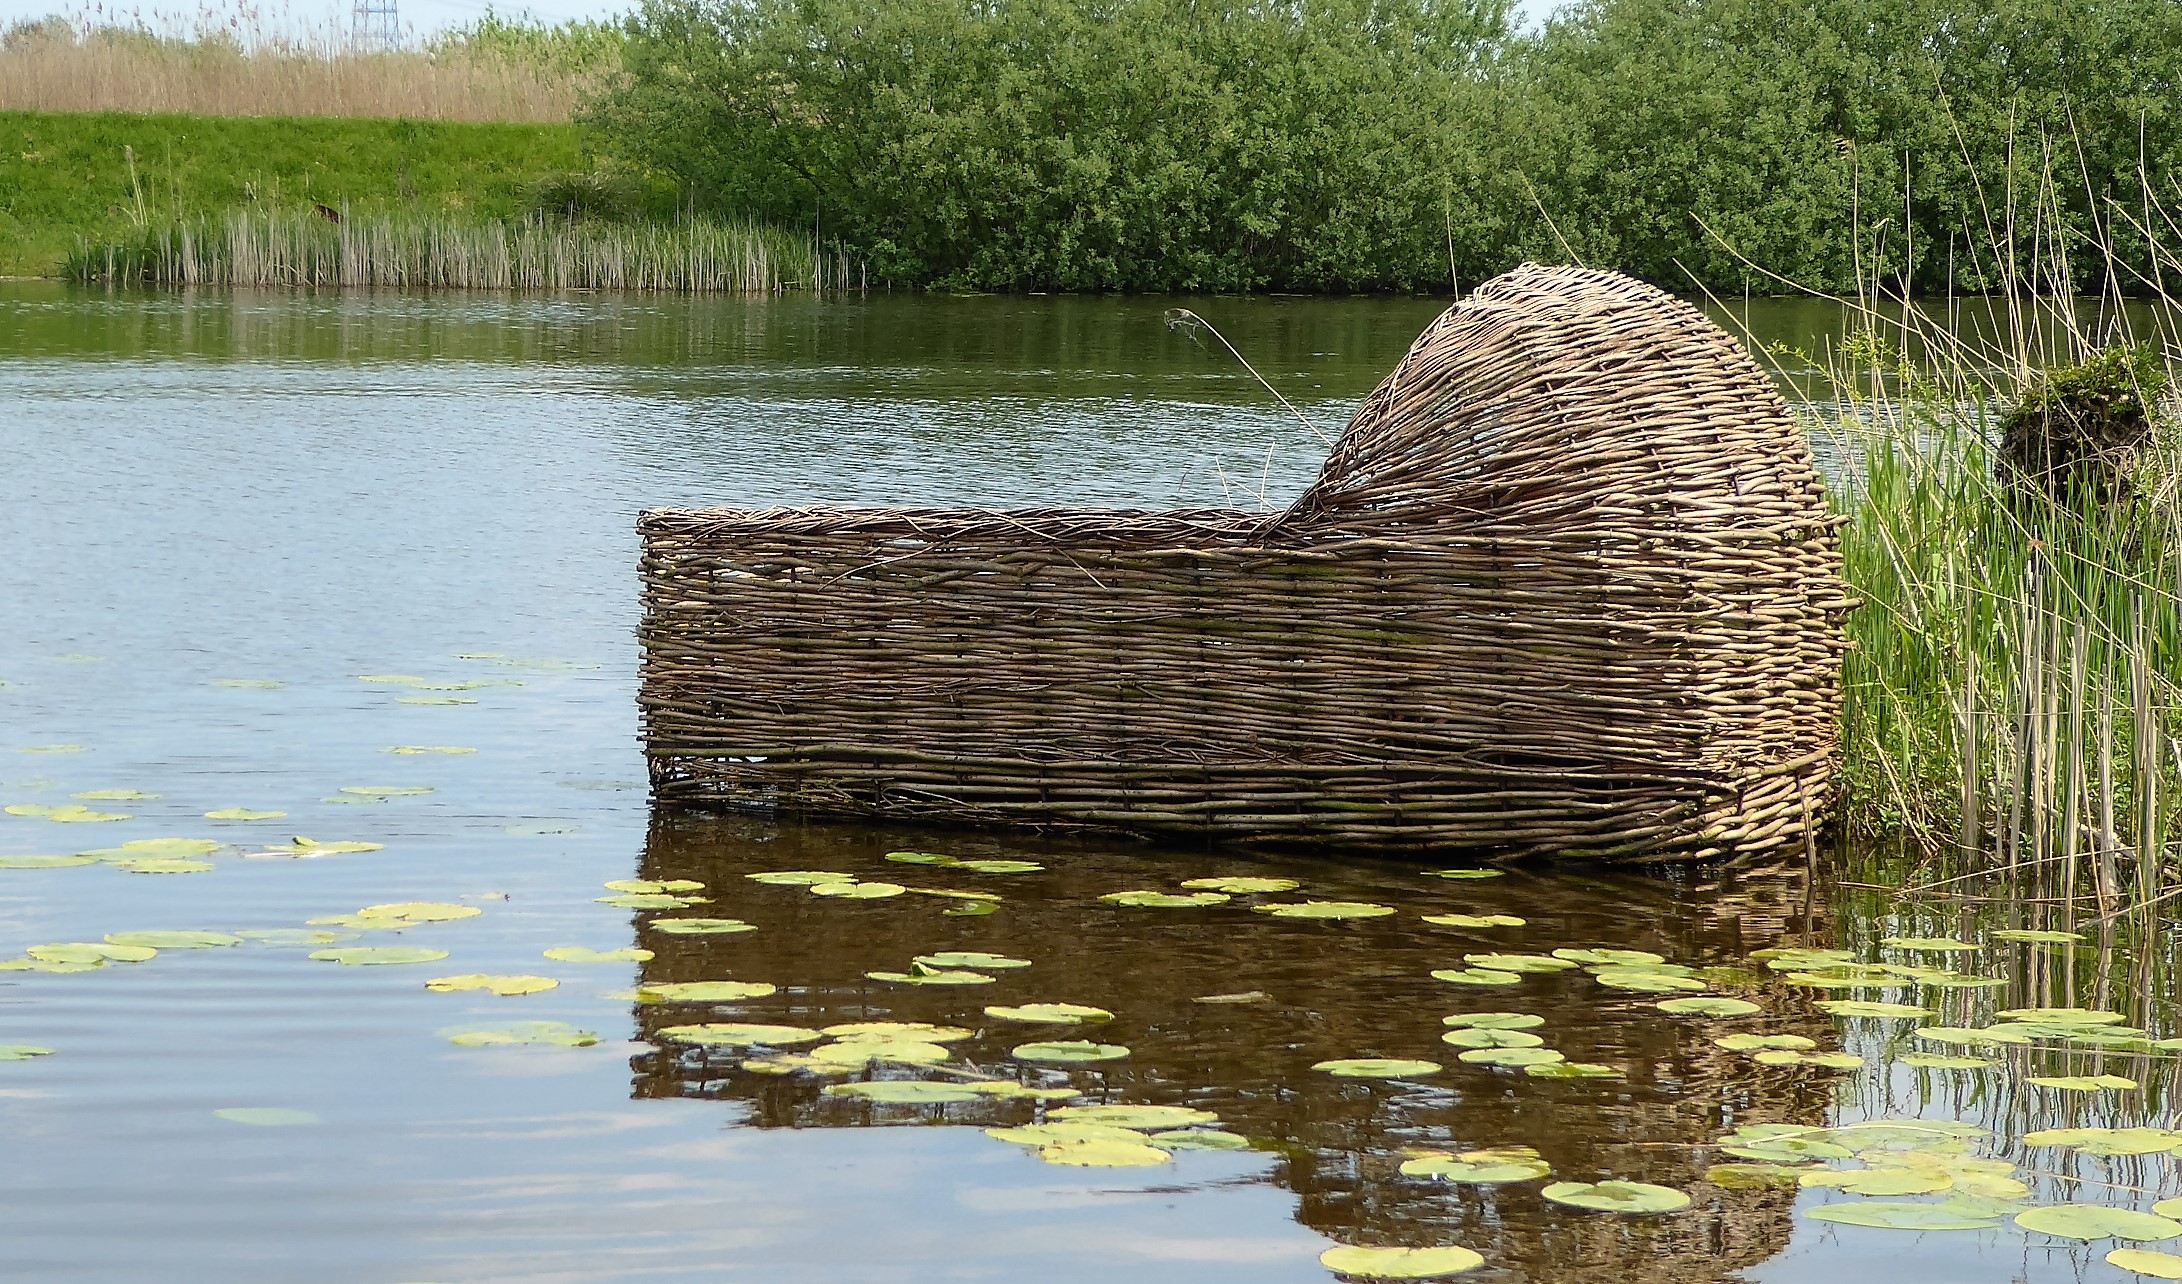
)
(1567, 585)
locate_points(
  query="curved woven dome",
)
(1567, 584)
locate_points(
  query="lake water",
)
(222, 515)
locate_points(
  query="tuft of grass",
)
(325, 249)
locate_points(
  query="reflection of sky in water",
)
(308, 489)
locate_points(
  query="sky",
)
(421, 16)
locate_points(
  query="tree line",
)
(1348, 145)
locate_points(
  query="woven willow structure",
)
(1567, 585)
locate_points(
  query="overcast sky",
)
(418, 15)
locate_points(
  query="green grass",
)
(64, 176)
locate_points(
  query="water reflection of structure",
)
(1340, 989)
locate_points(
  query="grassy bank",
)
(106, 175)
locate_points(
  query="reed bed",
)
(217, 79)
(396, 252)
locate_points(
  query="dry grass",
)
(67, 70)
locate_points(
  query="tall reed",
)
(410, 252)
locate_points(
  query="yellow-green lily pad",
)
(1475, 920)
(2082, 1082)
(1887, 1215)
(701, 926)
(1400, 1263)
(424, 749)
(1617, 1196)
(378, 955)
(2093, 1221)
(1068, 1052)
(22, 1051)
(1708, 1007)
(1104, 1154)
(1378, 1068)
(2146, 1261)
(1861, 1008)
(905, 1092)
(174, 940)
(504, 986)
(1480, 1167)
(919, 974)
(1476, 976)
(164, 866)
(115, 795)
(1050, 1014)
(654, 886)
(1493, 1021)
(800, 877)
(1141, 1118)
(1241, 886)
(905, 1031)
(584, 954)
(46, 862)
(975, 959)
(1326, 909)
(741, 1034)
(557, 1034)
(1165, 900)
(243, 813)
(704, 991)
(1929, 944)
(858, 891)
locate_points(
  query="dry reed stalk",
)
(214, 79)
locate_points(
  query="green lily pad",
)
(1069, 1052)
(999, 866)
(2146, 1261)
(1048, 1134)
(1940, 1061)
(1480, 1167)
(51, 749)
(1511, 1058)
(1378, 1068)
(2063, 1016)
(2107, 1141)
(1878, 1181)
(115, 795)
(388, 791)
(2091, 1221)
(46, 862)
(308, 847)
(1783, 1149)
(2036, 936)
(741, 1035)
(80, 815)
(918, 858)
(174, 940)
(1050, 1014)
(504, 986)
(1756, 1176)
(905, 1092)
(243, 813)
(266, 1116)
(1165, 900)
(1610, 958)
(85, 952)
(32, 809)
(1574, 1070)
(279, 936)
(22, 1051)
(968, 909)
(1242, 886)
(1617, 1196)
(1399, 1263)
(1141, 1118)
(164, 866)
(922, 975)
(1494, 1021)
(1326, 909)
(651, 900)
(1896, 1216)
(1761, 1042)
(1518, 962)
(407, 912)
(1199, 1139)
(378, 955)
(858, 891)
(1009, 1090)
(1463, 875)
(655, 886)
(908, 1031)
(974, 959)
(2083, 1082)
(557, 1034)
(392, 679)
(800, 877)
(1929, 944)
(1476, 976)
(1645, 980)
(858, 1053)
(1708, 1007)
(1861, 1008)
(704, 991)
(585, 954)
(1827, 1060)
(1476, 920)
(1962, 1037)
(701, 926)
(1104, 1154)
(57, 969)
(1477, 1038)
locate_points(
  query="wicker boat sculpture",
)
(1567, 585)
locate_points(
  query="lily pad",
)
(922, 975)
(858, 891)
(2108, 1141)
(504, 986)
(1048, 1134)
(704, 991)
(556, 1034)
(652, 886)
(80, 815)
(918, 858)
(2063, 1016)
(46, 862)
(2146, 1261)
(163, 865)
(1241, 886)
(1941, 1061)
(1518, 962)
(1400, 1263)
(1762, 1042)
(1494, 1021)
(115, 795)
(999, 866)
(1378, 1068)
(905, 1092)
(1708, 1007)
(22, 1051)
(1617, 1196)
(1756, 1176)
(1476, 976)
(584, 954)
(800, 877)
(1896, 1216)
(1861, 1008)
(1141, 1118)
(1199, 1139)
(1511, 1058)
(249, 684)
(300, 846)
(1104, 1154)
(1069, 1052)
(858, 1053)
(2092, 1221)
(1929, 944)
(1644, 980)
(392, 679)
(2082, 1082)
(1610, 958)
(85, 952)
(378, 955)
(418, 912)
(1165, 900)
(1480, 1167)
(1464, 875)
(1827, 1060)
(1574, 1070)
(2040, 937)
(388, 791)
(1326, 909)
(266, 1116)
(1878, 1181)
(741, 1035)
(1478, 1038)
(1050, 1014)
(1476, 920)
(701, 926)
(298, 936)
(976, 959)
(652, 900)
(174, 940)
(243, 813)
(913, 1031)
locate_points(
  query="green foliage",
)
(67, 176)
(574, 46)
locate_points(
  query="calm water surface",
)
(206, 491)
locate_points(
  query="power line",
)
(376, 24)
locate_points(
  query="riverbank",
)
(69, 177)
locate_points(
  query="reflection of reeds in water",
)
(306, 249)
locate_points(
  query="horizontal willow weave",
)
(1567, 585)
